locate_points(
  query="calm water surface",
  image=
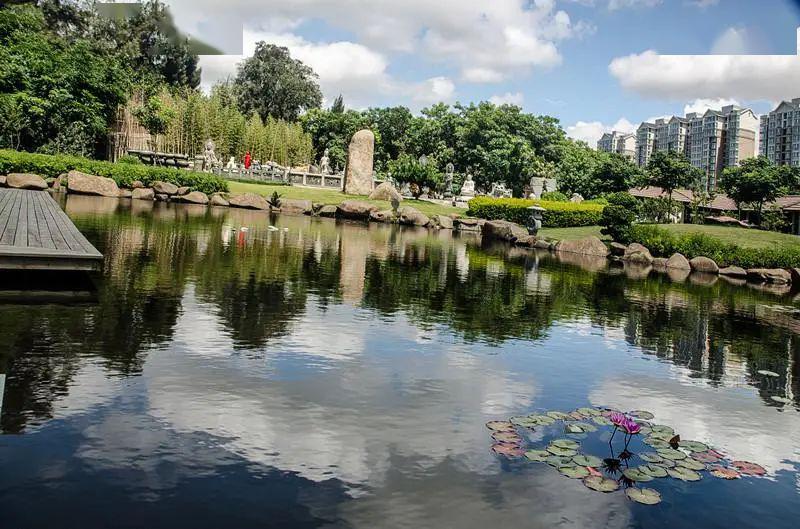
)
(341, 375)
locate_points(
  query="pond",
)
(339, 374)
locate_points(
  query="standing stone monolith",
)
(358, 175)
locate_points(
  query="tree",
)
(757, 181)
(671, 171)
(155, 117)
(332, 131)
(338, 105)
(273, 84)
(408, 170)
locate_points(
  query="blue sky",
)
(593, 64)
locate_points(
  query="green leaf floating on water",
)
(507, 437)
(561, 452)
(500, 426)
(669, 453)
(601, 484)
(539, 456)
(558, 462)
(566, 443)
(580, 427)
(694, 446)
(542, 420)
(587, 460)
(574, 472)
(661, 430)
(651, 457)
(691, 464)
(656, 443)
(724, 473)
(645, 430)
(684, 474)
(654, 471)
(602, 421)
(641, 414)
(644, 496)
(590, 412)
(523, 421)
(557, 415)
(768, 373)
(634, 474)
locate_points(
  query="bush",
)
(408, 170)
(555, 196)
(557, 214)
(130, 159)
(662, 243)
(625, 200)
(617, 222)
(124, 174)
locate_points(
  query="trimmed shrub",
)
(124, 174)
(555, 196)
(558, 214)
(662, 243)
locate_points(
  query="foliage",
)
(619, 215)
(124, 174)
(774, 219)
(273, 84)
(662, 243)
(757, 181)
(332, 131)
(658, 210)
(129, 159)
(338, 105)
(555, 196)
(275, 200)
(154, 116)
(671, 171)
(557, 214)
(408, 170)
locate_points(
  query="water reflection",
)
(351, 369)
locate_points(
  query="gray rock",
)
(2, 180)
(193, 197)
(542, 244)
(795, 274)
(386, 216)
(704, 264)
(143, 193)
(776, 276)
(527, 241)
(588, 246)
(358, 174)
(327, 210)
(161, 197)
(660, 263)
(164, 188)
(442, 222)
(468, 224)
(218, 199)
(412, 217)
(137, 184)
(296, 207)
(86, 184)
(733, 271)
(636, 253)
(503, 230)
(125, 193)
(678, 262)
(355, 209)
(248, 201)
(183, 191)
(26, 181)
(387, 192)
(618, 249)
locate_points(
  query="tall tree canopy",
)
(273, 84)
(671, 171)
(757, 181)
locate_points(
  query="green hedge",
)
(558, 214)
(662, 243)
(124, 174)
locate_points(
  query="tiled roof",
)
(721, 201)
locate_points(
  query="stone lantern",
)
(535, 219)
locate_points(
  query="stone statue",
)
(358, 178)
(576, 198)
(231, 164)
(468, 189)
(448, 180)
(325, 163)
(499, 190)
(209, 156)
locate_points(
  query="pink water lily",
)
(630, 426)
(617, 419)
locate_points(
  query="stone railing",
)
(285, 175)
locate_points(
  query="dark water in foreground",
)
(340, 375)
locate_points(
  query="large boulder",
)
(26, 181)
(218, 199)
(468, 224)
(359, 170)
(328, 210)
(795, 274)
(297, 207)
(125, 193)
(528, 241)
(442, 222)
(503, 230)
(143, 193)
(249, 201)
(184, 190)
(618, 249)
(679, 262)
(355, 209)
(387, 192)
(636, 253)
(386, 216)
(733, 271)
(192, 197)
(162, 197)
(137, 184)
(165, 188)
(704, 264)
(660, 263)
(2, 180)
(412, 217)
(777, 276)
(86, 184)
(588, 246)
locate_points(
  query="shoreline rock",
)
(588, 246)
(86, 184)
(355, 210)
(25, 181)
(503, 230)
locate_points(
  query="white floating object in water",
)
(272, 228)
(244, 228)
(285, 229)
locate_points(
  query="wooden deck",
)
(36, 234)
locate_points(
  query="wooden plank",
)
(33, 224)
(10, 229)
(52, 226)
(44, 228)
(69, 230)
(21, 235)
(6, 201)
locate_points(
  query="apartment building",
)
(780, 134)
(645, 142)
(618, 142)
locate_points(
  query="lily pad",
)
(643, 496)
(669, 453)
(656, 443)
(651, 457)
(724, 473)
(782, 400)
(561, 452)
(589, 412)
(749, 469)
(580, 427)
(694, 446)
(684, 474)
(538, 456)
(654, 471)
(641, 414)
(601, 421)
(500, 426)
(601, 484)
(558, 462)
(507, 450)
(566, 443)
(507, 437)
(576, 416)
(665, 463)
(523, 421)
(635, 474)
(557, 415)
(662, 430)
(706, 457)
(574, 472)
(587, 460)
(691, 464)
(645, 430)
(767, 373)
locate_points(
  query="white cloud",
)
(591, 131)
(481, 75)
(702, 3)
(434, 90)
(701, 105)
(623, 4)
(732, 41)
(509, 98)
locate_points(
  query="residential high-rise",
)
(618, 142)
(645, 142)
(780, 134)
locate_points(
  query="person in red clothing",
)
(247, 160)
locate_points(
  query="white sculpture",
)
(325, 163)
(231, 163)
(468, 189)
(209, 156)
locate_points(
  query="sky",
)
(596, 65)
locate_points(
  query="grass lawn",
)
(739, 236)
(331, 196)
